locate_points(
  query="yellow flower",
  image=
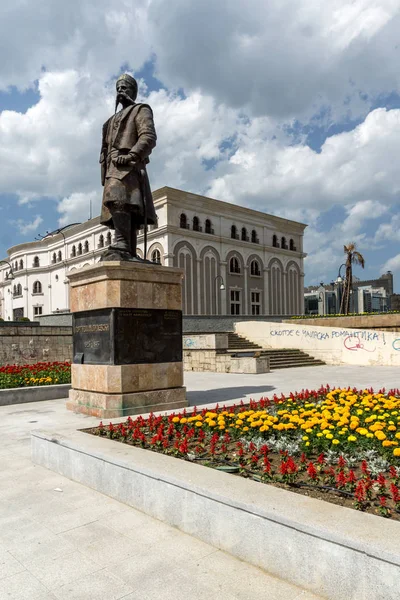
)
(335, 441)
(199, 424)
(245, 428)
(396, 452)
(386, 443)
(212, 423)
(183, 420)
(380, 435)
(305, 438)
(329, 436)
(352, 438)
(176, 420)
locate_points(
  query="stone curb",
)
(332, 551)
(34, 394)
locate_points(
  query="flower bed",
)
(341, 445)
(42, 373)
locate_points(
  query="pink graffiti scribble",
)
(354, 343)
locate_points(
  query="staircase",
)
(282, 358)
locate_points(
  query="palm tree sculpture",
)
(353, 257)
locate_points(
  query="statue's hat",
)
(129, 79)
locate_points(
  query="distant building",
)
(372, 295)
(236, 260)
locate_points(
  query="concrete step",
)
(279, 358)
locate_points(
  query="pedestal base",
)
(127, 339)
(112, 406)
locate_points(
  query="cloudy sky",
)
(291, 107)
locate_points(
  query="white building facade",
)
(236, 260)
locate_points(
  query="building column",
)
(285, 292)
(222, 297)
(266, 292)
(198, 283)
(246, 295)
(168, 260)
(301, 293)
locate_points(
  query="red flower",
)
(312, 471)
(360, 492)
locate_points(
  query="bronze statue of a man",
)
(129, 137)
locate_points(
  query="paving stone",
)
(57, 572)
(101, 585)
(24, 586)
(9, 565)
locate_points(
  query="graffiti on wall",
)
(353, 340)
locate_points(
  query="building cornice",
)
(198, 202)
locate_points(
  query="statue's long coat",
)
(130, 130)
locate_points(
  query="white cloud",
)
(393, 264)
(389, 231)
(78, 207)
(279, 58)
(26, 227)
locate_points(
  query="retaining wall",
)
(207, 352)
(32, 344)
(390, 322)
(334, 345)
(34, 394)
(336, 552)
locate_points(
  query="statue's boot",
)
(123, 232)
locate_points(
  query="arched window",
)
(14, 290)
(101, 241)
(234, 266)
(254, 237)
(156, 257)
(36, 262)
(183, 221)
(244, 235)
(59, 256)
(234, 234)
(291, 245)
(18, 290)
(208, 227)
(16, 266)
(86, 247)
(108, 239)
(196, 224)
(73, 251)
(21, 264)
(37, 287)
(255, 268)
(275, 241)
(54, 257)
(79, 249)
(283, 243)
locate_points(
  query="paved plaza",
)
(61, 540)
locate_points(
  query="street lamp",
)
(339, 281)
(222, 286)
(339, 277)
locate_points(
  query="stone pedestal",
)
(127, 338)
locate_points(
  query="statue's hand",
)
(124, 159)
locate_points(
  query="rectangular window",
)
(37, 310)
(235, 302)
(255, 303)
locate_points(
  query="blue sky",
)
(290, 110)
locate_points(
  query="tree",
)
(352, 258)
